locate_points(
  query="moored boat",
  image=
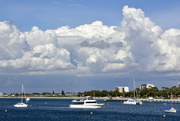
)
(88, 103)
(170, 110)
(21, 104)
(133, 101)
(150, 99)
(27, 100)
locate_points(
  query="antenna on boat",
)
(134, 86)
(171, 100)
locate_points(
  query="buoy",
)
(91, 112)
(5, 110)
(164, 115)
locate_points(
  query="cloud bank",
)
(137, 45)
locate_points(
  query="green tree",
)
(46, 93)
(53, 92)
(104, 93)
(62, 93)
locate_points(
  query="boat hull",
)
(21, 105)
(86, 106)
(130, 103)
(133, 102)
(170, 111)
(88, 103)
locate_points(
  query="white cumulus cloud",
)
(137, 44)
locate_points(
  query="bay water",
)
(41, 109)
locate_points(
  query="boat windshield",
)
(89, 98)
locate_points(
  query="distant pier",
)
(144, 100)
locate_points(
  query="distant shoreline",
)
(41, 97)
(104, 98)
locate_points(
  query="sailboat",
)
(21, 104)
(170, 109)
(133, 101)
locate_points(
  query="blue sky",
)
(51, 14)
(88, 44)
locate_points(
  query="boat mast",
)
(22, 94)
(134, 87)
(171, 100)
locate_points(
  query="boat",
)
(21, 104)
(150, 99)
(133, 101)
(27, 100)
(170, 109)
(88, 103)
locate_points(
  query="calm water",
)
(57, 110)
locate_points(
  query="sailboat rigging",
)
(133, 101)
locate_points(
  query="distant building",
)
(147, 86)
(179, 84)
(122, 89)
(1, 94)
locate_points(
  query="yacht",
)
(21, 104)
(133, 101)
(88, 103)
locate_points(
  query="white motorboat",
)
(21, 104)
(27, 100)
(133, 101)
(170, 110)
(88, 103)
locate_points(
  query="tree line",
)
(165, 93)
(41, 94)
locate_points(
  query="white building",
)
(179, 84)
(126, 89)
(122, 89)
(1, 94)
(147, 86)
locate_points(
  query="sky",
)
(83, 45)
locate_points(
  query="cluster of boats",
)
(90, 103)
